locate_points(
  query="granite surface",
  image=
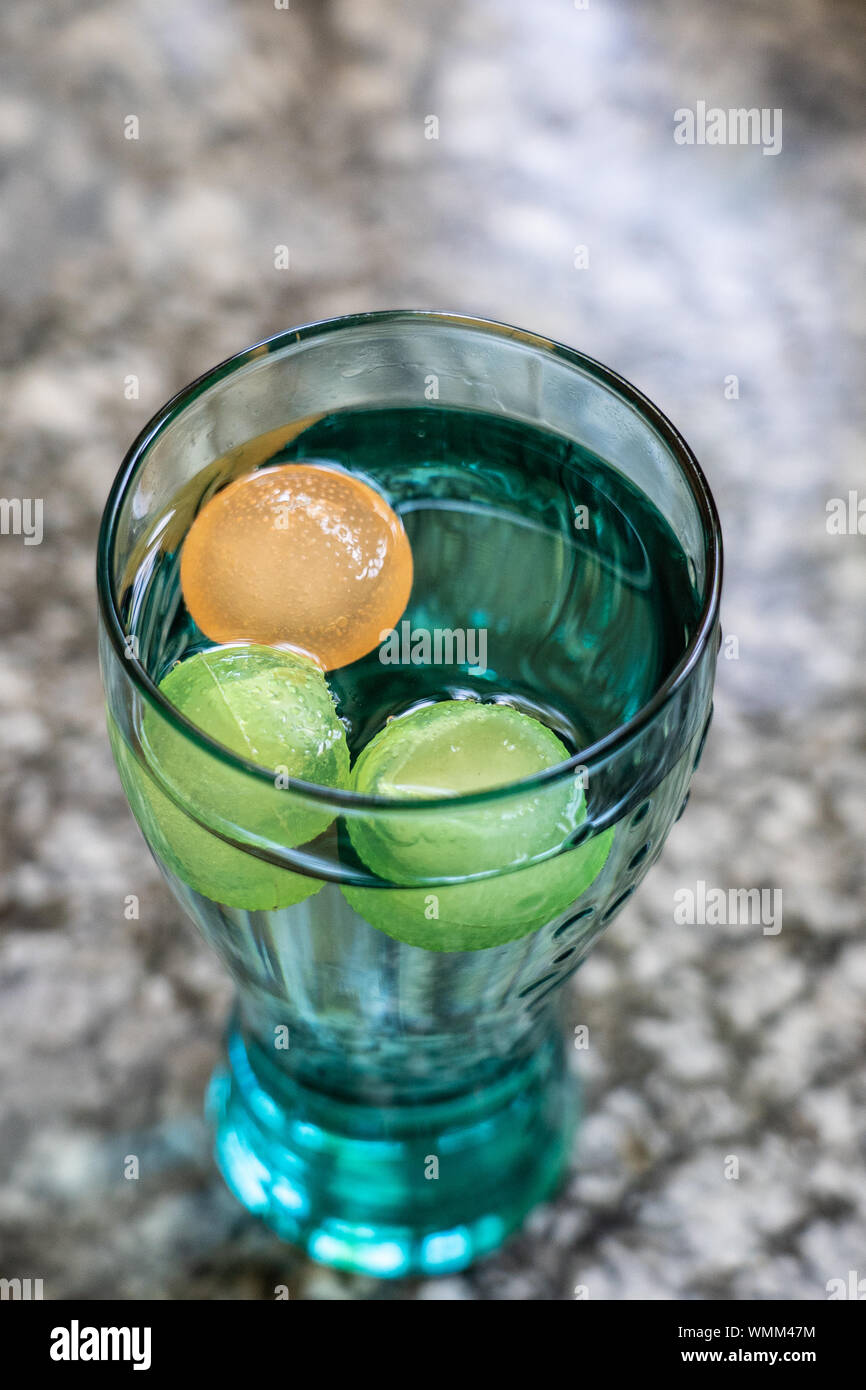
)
(153, 258)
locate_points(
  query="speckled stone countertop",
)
(154, 258)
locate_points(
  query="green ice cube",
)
(457, 748)
(275, 709)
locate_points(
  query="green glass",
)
(395, 1094)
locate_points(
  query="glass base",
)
(420, 1188)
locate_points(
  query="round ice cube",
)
(300, 555)
(460, 748)
(274, 708)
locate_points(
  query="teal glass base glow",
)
(355, 1185)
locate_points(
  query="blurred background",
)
(728, 285)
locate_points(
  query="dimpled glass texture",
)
(390, 1108)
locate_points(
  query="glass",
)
(392, 1108)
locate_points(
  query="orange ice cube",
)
(299, 555)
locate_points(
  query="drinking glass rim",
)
(344, 798)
